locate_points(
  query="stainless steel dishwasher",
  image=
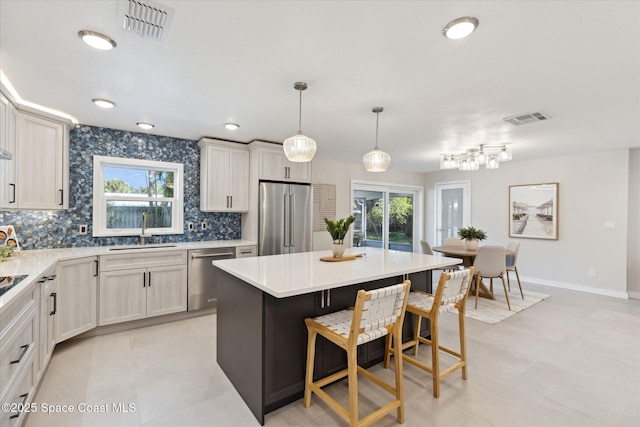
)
(201, 280)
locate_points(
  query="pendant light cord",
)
(300, 114)
(377, 118)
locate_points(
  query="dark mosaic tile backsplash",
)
(59, 229)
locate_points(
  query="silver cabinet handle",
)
(194, 256)
(328, 297)
(322, 299)
(285, 227)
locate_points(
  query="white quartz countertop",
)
(301, 273)
(35, 263)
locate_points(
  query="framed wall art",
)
(533, 211)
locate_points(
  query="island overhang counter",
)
(263, 301)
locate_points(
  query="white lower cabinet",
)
(77, 284)
(144, 291)
(18, 356)
(47, 322)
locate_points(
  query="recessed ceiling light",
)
(145, 126)
(460, 28)
(103, 103)
(97, 40)
(231, 126)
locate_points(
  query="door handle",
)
(144, 279)
(13, 198)
(292, 211)
(22, 405)
(24, 349)
(149, 282)
(61, 197)
(231, 201)
(96, 265)
(286, 239)
(194, 256)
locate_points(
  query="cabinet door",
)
(77, 283)
(48, 307)
(239, 180)
(166, 290)
(8, 122)
(214, 177)
(272, 165)
(123, 295)
(299, 171)
(286, 345)
(40, 165)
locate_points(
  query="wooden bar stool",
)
(376, 313)
(451, 295)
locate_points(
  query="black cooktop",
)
(8, 282)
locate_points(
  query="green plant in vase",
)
(471, 236)
(338, 231)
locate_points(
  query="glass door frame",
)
(387, 188)
(466, 206)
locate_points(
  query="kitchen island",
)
(262, 304)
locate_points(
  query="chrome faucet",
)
(143, 235)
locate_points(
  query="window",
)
(124, 189)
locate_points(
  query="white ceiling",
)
(576, 61)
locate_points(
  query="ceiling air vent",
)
(523, 119)
(145, 19)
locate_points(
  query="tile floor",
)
(570, 360)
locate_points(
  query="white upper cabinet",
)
(42, 163)
(8, 123)
(273, 165)
(224, 176)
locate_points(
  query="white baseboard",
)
(580, 288)
(634, 295)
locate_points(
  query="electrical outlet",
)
(203, 226)
(82, 229)
(190, 226)
(592, 272)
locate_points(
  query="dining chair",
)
(426, 247)
(454, 241)
(451, 296)
(376, 313)
(511, 264)
(490, 264)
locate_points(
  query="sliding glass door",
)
(386, 217)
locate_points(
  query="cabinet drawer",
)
(18, 348)
(246, 251)
(19, 397)
(10, 315)
(149, 259)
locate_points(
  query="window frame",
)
(99, 228)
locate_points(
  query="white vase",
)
(471, 245)
(338, 250)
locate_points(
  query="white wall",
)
(593, 188)
(339, 173)
(633, 243)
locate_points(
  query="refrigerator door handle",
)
(292, 210)
(285, 226)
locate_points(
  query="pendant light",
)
(376, 160)
(299, 148)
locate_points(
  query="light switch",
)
(610, 225)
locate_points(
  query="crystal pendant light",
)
(376, 160)
(299, 148)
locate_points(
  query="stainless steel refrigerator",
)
(285, 218)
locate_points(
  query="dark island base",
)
(262, 340)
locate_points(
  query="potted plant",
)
(338, 230)
(471, 237)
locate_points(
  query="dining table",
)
(468, 256)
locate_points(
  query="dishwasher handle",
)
(223, 254)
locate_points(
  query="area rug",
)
(494, 311)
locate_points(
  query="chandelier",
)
(472, 158)
(299, 148)
(376, 160)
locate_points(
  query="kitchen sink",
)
(134, 247)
